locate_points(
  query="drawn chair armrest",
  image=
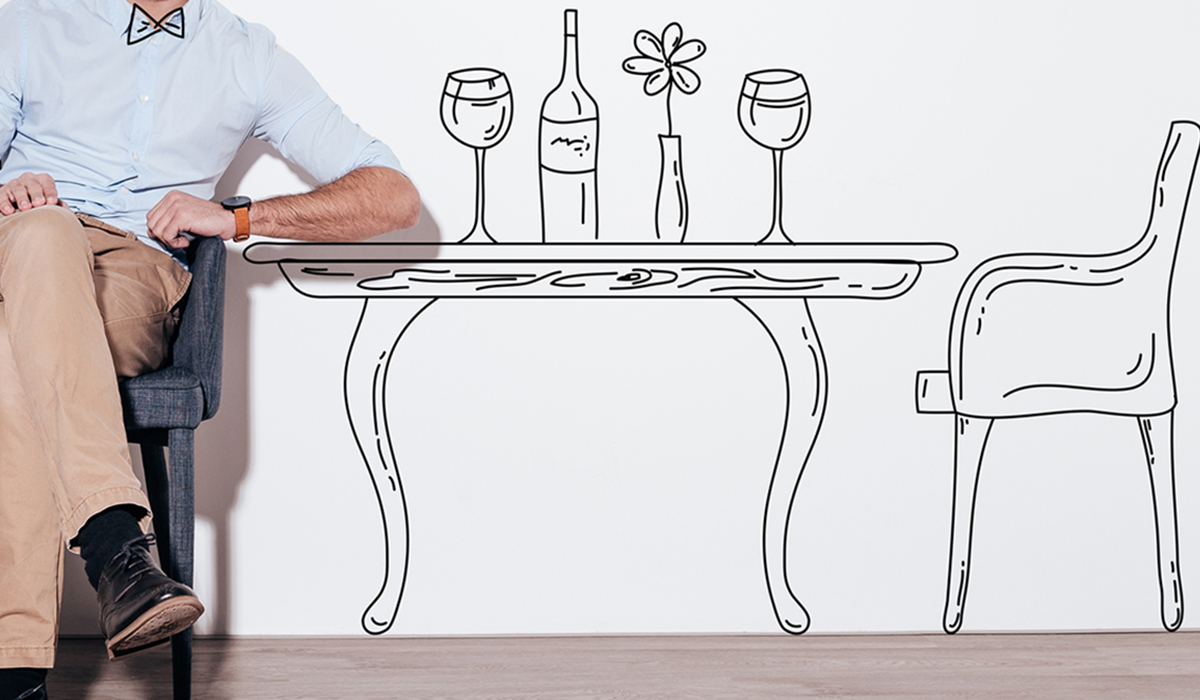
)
(1009, 272)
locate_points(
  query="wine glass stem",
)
(479, 154)
(479, 232)
(777, 225)
(777, 234)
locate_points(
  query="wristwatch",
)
(240, 206)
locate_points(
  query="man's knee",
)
(42, 237)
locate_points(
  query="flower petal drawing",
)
(657, 81)
(689, 50)
(648, 45)
(660, 59)
(671, 37)
(685, 79)
(642, 65)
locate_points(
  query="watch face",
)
(235, 202)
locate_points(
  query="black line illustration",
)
(477, 108)
(661, 61)
(568, 144)
(142, 26)
(1098, 342)
(774, 111)
(400, 283)
(365, 380)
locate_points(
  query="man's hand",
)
(27, 192)
(180, 213)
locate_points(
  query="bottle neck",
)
(570, 71)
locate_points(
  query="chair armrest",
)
(199, 345)
(1033, 333)
(987, 281)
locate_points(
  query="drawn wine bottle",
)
(568, 138)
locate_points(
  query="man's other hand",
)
(27, 191)
(179, 213)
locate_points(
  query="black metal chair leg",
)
(181, 664)
(169, 487)
(182, 516)
(157, 490)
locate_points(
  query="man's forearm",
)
(364, 203)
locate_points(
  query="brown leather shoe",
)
(140, 607)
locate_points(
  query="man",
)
(116, 121)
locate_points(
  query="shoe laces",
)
(132, 560)
(130, 549)
(145, 541)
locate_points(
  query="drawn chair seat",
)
(1040, 334)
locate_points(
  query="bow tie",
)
(143, 26)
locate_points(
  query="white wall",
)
(601, 467)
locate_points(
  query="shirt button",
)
(154, 41)
(144, 98)
(125, 190)
(136, 157)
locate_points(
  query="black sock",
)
(103, 535)
(14, 681)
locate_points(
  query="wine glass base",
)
(775, 236)
(478, 236)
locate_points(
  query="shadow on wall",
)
(223, 443)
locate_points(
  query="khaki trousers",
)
(78, 299)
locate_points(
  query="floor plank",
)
(1045, 666)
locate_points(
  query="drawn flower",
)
(661, 60)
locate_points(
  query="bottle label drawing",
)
(568, 145)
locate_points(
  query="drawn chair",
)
(163, 408)
(1042, 334)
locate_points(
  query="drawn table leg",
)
(789, 324)
(380, 328)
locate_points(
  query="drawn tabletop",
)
(401, 281)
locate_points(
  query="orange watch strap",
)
(242, 216)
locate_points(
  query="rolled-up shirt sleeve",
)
(13, 49)
(307, 127)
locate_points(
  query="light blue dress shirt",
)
(119, 126)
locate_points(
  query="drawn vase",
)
(671, 209)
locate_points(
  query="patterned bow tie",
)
(142, 26)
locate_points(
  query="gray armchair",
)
(163, 408)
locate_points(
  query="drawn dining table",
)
(399, 282)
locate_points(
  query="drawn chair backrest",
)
(1154, 253)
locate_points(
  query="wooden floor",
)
(1150, 666)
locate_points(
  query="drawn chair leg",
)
(380, 329)
(970, 440)
(1158, 442)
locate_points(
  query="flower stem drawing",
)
(661, 59)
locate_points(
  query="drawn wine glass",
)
(773, 110)
(477, 110)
